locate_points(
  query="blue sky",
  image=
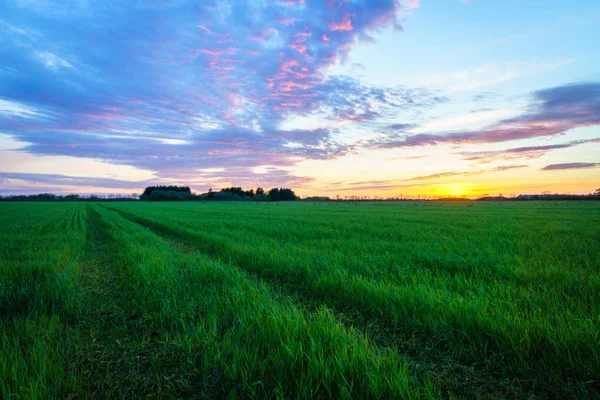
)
(325, 96)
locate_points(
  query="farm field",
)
(300, 300)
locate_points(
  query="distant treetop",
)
(178, 189)
(234, 193)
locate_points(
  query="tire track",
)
(117, 348)
(103, 308)
(273, 293)
(455, 378)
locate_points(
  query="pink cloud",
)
(205, 29)
(303, 34)
(292, 3)
(289, 86)
(301, 48)
(263, 35)
(231, 60)
(287, 21)
(248, 77)
(332, 3)
(412, 4)
(217, 52)
(344, 25)
(287, 65)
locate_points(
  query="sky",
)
(328, 97)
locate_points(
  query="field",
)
(300, 300)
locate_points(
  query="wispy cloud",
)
(575, 165)
(466, 173)
(199, 180)
(179, 86)
(554, 111)
(525, 152)
(58, 180)
(490, 74)
(15, 109)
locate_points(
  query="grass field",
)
(300, 300)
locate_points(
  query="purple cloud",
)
(199, 181)
(466, 173)
(553, 112)
(57, 180)
(188, 85)
(525, 152)
(576, 165)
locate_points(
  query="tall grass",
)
(240, 339)
(41, 246)
(512, 288)
(405, 300)
(138, 317)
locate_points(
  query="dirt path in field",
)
(118, 350)
(103, 305)
(454, 377)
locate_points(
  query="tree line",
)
(167, 193)
(234, 193)
(544, 196)
(70, 197)
(180, 193)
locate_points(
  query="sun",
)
(453, 190)
(456, 190)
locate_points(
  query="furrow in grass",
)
(232, 336)
(115, 360)
(380, 246)
(441, 322)
(454, 378)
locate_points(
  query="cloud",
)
(554, 111)
(466, 173)
(576, 165)
(216, 148)
(344, 25)
(401, 127)
(374, 182)
(525, 152)
(54, 180)
(374, 187)
(200, 180)
(15, 109)
(346, 99)
(53, 61)
(174, 87)
(484, 96)
(489, 74)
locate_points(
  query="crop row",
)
(530, 322)
(113, 309)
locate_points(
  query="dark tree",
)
(274, 194)
(287, 194)
(177, 189)
(281, 194)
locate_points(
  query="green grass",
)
(300, 300)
